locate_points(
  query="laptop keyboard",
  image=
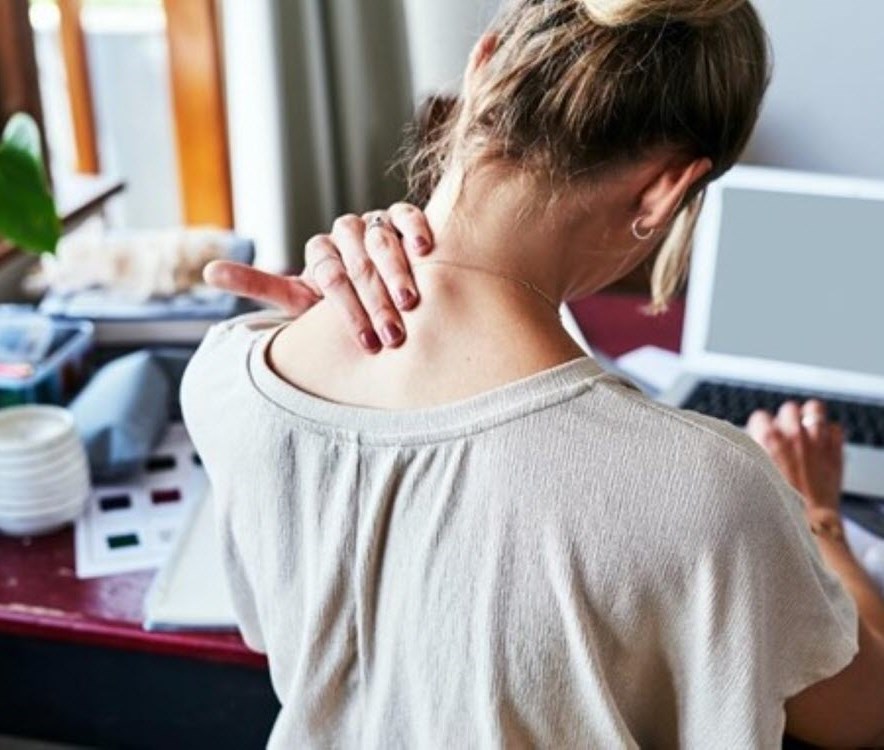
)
(863, 422)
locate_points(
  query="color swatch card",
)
(134, 526)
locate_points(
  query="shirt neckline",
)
(457, 419)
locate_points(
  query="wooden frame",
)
(19, 83)
(197, 90)
(73, 49)
(200, 118)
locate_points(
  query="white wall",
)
(129, 66)
(254, 125)
(825, 108)
(440, 37)
(135, 122)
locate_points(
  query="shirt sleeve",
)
(212, 385)
(768, 619)
(242, 595)
(214, 408)
(820, 625)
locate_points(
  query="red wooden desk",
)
(42, 600)
(40, 597)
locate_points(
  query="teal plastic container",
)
(59, 374)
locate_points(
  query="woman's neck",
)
(502, 225)
(490, 233)
(470, 334)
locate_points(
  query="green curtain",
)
(346, 90)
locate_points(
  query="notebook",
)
(190, 590)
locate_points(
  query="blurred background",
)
(274, 116)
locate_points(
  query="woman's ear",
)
(663, 197)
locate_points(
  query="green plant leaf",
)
(22, 132)
(28, 217)
(27, 211)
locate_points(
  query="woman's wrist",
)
(826, 524)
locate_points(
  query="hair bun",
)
(625, 12)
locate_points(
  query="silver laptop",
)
(786, 301)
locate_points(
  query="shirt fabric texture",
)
(557, 563)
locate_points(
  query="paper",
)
(134, 525)
(868, 550)
(656, 368)
(190, 591)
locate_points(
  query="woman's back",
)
(556, 562)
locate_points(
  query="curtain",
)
(345, 91)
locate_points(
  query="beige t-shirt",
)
(558, 563)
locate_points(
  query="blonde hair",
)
(625, 12)
(578, 87)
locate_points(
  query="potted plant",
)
(28, 218)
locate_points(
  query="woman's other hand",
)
(807, 449)
(364, 271)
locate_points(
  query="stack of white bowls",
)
(44, 474)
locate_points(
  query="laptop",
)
(786, 302)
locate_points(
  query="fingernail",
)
(370, 340)
(421, 244)
(406, 298)
(392, 334)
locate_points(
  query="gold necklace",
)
(521, 282)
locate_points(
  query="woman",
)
(477, 538)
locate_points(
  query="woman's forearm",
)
(838, 556)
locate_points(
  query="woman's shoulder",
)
(243, 329)
(706, 455)
(655, 417)
(219, 367)
(223, 340)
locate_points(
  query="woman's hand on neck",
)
(472, 331)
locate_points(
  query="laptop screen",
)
(800, 279)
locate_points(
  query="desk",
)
(77, 666)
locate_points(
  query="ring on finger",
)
(378, 221)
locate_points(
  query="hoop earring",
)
(641, 236)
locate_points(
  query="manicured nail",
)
(391, 334)
(370, 340)
(421, 244)
(405, 298)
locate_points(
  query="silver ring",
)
(641, 236)
(378, 221)
(812, 420)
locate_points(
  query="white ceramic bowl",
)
(43, 522)
(42, 461)
(40, 455)
(26, 431)
(45, 507)
(45, 496)
(24, 471)
(31, 480)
